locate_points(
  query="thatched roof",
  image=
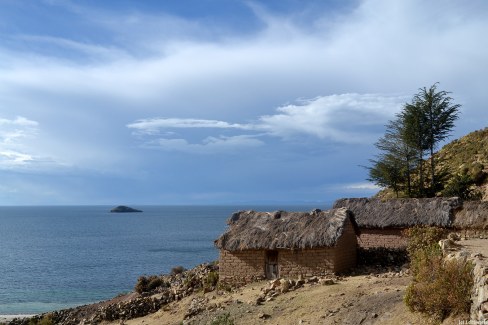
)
(399, 213)
(474, 214)
(289, 230)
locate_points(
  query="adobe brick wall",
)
(346, 249)
(242, 267)
(388, 238)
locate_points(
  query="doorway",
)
(272, 265)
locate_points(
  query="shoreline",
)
(8, 318)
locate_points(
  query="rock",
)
(313, 279)
(326, 282)
(123, 209)
(264, 316)
(454, 236)
(459, 256)
(299, 283)
(285, 286)
(315, 212)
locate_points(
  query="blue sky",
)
(220, 102)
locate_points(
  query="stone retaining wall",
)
(479, 296)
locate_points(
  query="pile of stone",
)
(280, 286)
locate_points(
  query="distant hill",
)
(465, 158)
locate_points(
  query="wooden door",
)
(272, 271)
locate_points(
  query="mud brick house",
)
(259, 245)
(381, 223)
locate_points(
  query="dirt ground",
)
(363, 299)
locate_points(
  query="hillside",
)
(468, 156)
(462, 161)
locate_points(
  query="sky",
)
(220, 101)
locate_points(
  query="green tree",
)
(414, 136)
(439, 115)
(386, 171)
(417, 130)
(394, 166)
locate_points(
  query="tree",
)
(439, 115)
(386, 172)
(414, 136)
(417, 130)
(397, 153)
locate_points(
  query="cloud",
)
(12, 134)
(219, 89)
(209, 145)
(362, 186)
(151, 126)
(345, 118)
(12, 158)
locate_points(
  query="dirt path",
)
(476, 245)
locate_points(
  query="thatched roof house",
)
(284, 230)
(473, 215)
(273, 244)
(401, 213)
(382, 222)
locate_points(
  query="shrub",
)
(432, 291)
(141, 285)
(177, 270)
(223, 320)
(149, 283)
(462, 185)
(212, 279)
(422, 238)
(45, 320)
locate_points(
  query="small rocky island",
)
(123, 208)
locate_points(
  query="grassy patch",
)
(223, 319)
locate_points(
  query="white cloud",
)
(337, 117)
(209, 145)
(14, 159)
(362, 186)
(12, 134)
(345, 118)
(151, 126)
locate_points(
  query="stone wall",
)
(246, 266)
(388, 238)
(479, 296)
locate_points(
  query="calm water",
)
(58, 257)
